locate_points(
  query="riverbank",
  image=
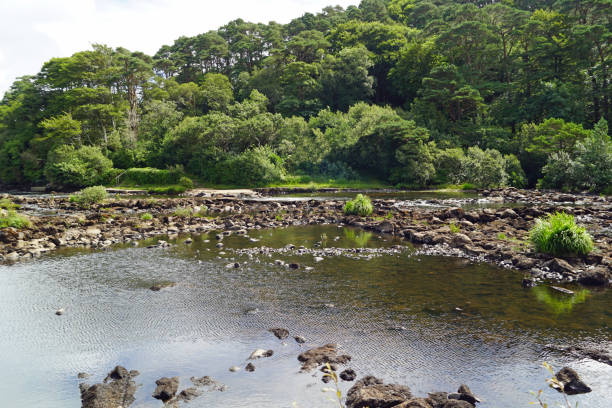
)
(498, 236)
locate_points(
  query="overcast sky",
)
(33, 31)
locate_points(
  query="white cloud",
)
(33, 31)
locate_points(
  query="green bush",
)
(151, 176)
(167, 190)
(558, 234)
(14, 220)
(254, 167)
(82, 167)
(146, 217)
(89, 196)
(361, 205)
(183, 212)
(484, 168)
(7, 204)
(186, 182)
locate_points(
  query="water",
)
(495, 343)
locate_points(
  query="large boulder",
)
(166, 388)
(373, 393)
(117, 389)
(596, 277)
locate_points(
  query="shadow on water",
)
(428, 322)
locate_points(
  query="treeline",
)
(411, 92)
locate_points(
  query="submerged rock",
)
(259, 353)
(250, 367)
(348, 375)
(166, 388)
(299, 339)
(371, 392)
(159, 286)
(280, 333)
(570, 382)
(116, 390)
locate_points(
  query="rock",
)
(188, 394)
(570, 382)
(414, 403)
(596, 277)
(560, 265)
(250, 367)
(60, 312)
(233, 369)
(118, 392)
(437, 399)
(260, 353)
(280, 333)
(465, 394)
(529, 282)
(562, 290)
(318, 259)
(385, 227)
(82, 375)
(219, 245)
(598, 355)
(188, 241)
(455, 403)
(294, 266)
(508, 213)
(159, 286)
(299, 339)
(461, 239)
(372, 393)
(209, 382)
(325, 354)
(166, 388)
(348, 375)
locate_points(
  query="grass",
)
(171, 189)
(7, 204)
(14, 220)
(146, 217)
(361, 205)
(454, 228)
(558, 234)
(89, 196)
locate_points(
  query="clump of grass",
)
(183, 212)
(454, 228)
(501, 236)
(558, 234)
(89, 196)
(146, 217)
(361, 205)
(12, 219)
(7, 204)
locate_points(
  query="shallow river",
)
(494, 342)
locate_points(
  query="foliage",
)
(89, 196)
(361, 206)
(587, 167)
(362, 92)
(186, 182)
(151, 176)
(85, 166)
(10, 218)
(558, 234)
(7, 204)
(146, 217)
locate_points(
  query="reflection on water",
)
(460, 322)
(559, 303)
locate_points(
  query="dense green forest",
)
(409, 92)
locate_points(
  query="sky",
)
(34, 31)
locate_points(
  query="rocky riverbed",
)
(498, 236)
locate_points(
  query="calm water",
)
(495, 343)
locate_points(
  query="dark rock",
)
(570, 382)
(207, 381)
(294, 266)
(118, 389)
(325, 354)
(159, 286)
(348, 375)
(455, 403)
(598, 355)
(188, 394)
(166, 388)
(560, 265)
(300, 339)
(414, 403)
(467, 395)
(82, 376)
(437, 399)
(372, 393)
(280, 333)
(326, 379)
(596, 277)
(529, 282)
(250, 367)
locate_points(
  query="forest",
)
(412, 93)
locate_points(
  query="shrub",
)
(7, 204)
(14, 220)
(183, 212)
(82, 167)
(151, 176)
(361, 205)
(146, 217)
(514, 171)
(168, 190)
(253, 167)
(558, 234)
(485, 168)
(89, 196)
(186, 182)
